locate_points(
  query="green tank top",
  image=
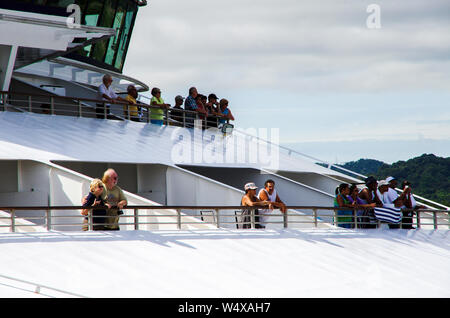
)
(347, 213)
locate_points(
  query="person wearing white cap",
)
(391, 195)
(382, 191)
(390, 212)
(251, 200)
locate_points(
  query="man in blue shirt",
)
(191, 104)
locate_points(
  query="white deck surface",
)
(223, 263)
(44, 137)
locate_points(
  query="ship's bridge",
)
(77, 41)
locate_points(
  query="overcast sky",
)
(336, 88)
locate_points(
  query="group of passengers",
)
(209, 110)
(375, 194)
(106, 199)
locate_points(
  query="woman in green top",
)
(157, 114)
(341, 201)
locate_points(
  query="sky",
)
(340, 79)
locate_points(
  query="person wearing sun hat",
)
(382, 191)
(391, 194)
(251, 200)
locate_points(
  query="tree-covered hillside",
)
(428, 174)
(364, 166)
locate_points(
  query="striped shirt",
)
(388, 214)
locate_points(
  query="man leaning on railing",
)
(131, 111)
(107, 94)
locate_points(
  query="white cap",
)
(389, 179)
(250, 186)
(382, 183)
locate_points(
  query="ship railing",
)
(217, 216)
(94, 108)
(41, 289)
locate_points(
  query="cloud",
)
(318, 46)
(312, 68)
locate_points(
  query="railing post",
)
(448, 214)
(418, 219)
(30, 104)
(252, 218)
(104, 111)
(3, 96)
(217, 218)
(335, 218)
(49, 219)
(52, 106)
(184, 119)
(13, 221)
(435, 221)
(285, 219)
(79, 109)
(178, 219)
(136, 219)
(355, 216)
(315, 217)
(91, 220)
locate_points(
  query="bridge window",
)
(116, 14)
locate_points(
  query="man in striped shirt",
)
(391, 211)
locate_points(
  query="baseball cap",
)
(250, 186)
(212, 96)
(382, 183)
(179, 97)
(389, 179)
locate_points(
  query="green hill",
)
(428, 174)
(364, 166)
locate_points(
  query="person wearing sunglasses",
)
(115, 197)
(94, 199)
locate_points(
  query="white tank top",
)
(272, 197)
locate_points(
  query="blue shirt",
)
(190, 103)
(225, 112)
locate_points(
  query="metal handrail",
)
(88, 107)
(331, 165)
(316, 218)
(168, 119)
(38, 287)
